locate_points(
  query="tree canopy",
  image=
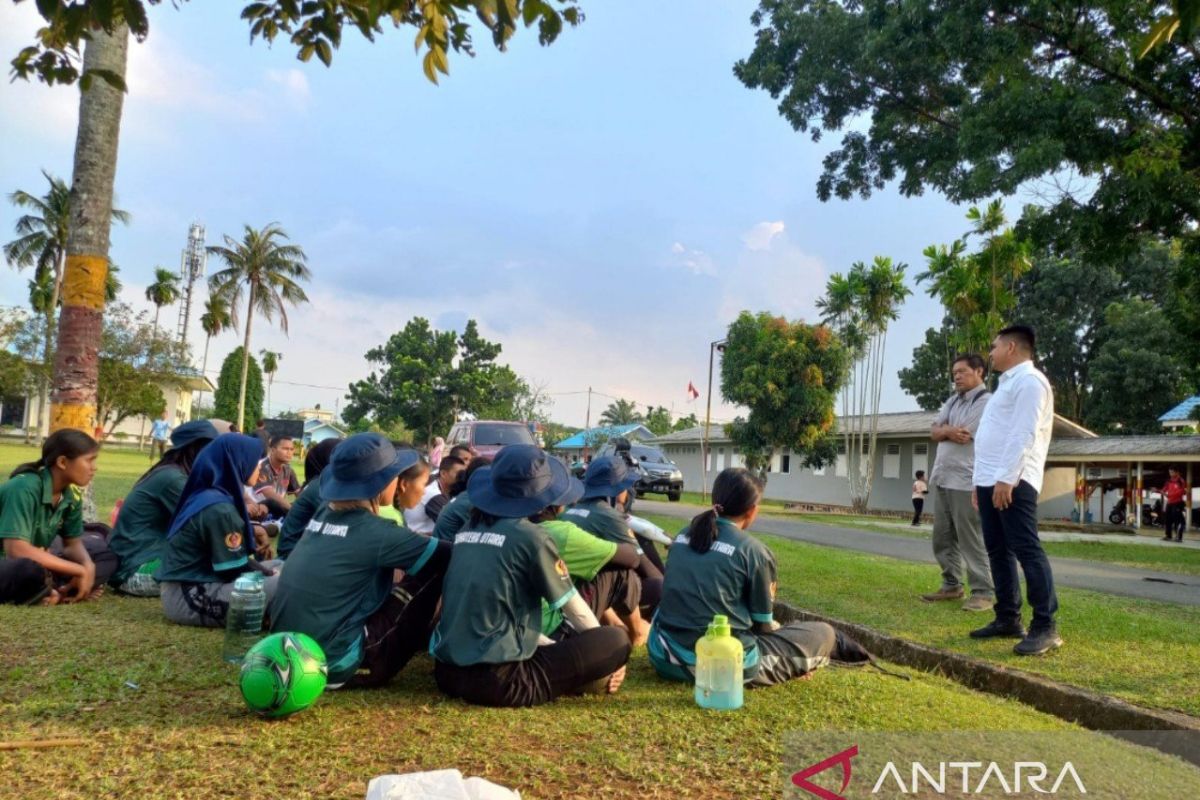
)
(313, 28)
(621, 412)
(788, 374)
(136, 361)
(426, 378)
(974, 99)
(225, 401)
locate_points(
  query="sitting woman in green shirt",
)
(488, 643)
(338, 584)
(715, 567)
(309, 499)
(211, 540)
(146, 513)
(42, 500)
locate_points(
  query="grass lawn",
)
(1139, 650)
(184, 731)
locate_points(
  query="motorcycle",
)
(1152, 515)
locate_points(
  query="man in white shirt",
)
(423, 517)
(1010, 456)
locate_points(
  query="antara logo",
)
(801, 778)
(973, 777)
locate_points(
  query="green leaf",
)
(324, 52)
(427, 64)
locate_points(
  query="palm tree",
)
(270, 365)
(76, 366)
(163, 292)
(42, 243)
(859, 306)
(215, 319)
(270, 272)
(620, 412)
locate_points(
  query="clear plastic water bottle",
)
(243, 624)
(719, 667)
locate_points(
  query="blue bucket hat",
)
(194, 431)
(362, 466)
(607, 476)
(522, 481)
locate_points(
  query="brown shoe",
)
(979, 603)
(943, 594)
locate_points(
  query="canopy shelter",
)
(1135, 464)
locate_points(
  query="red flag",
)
(692, 391)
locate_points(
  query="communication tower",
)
(191, 268)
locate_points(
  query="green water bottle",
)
(719, 667)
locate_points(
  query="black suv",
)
(658, 474)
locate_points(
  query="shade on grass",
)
(185, 732)
(1139, 650)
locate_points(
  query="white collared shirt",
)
(1014, 433)
(415, 519)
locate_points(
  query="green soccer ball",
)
(282, 674)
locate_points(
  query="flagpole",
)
(712, 349)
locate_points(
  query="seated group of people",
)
(522, 581)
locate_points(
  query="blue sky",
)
(604, 207)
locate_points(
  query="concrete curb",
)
(1086, 708)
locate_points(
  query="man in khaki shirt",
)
(957, 534)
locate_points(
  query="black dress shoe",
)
(996, 629)
(1038, 642)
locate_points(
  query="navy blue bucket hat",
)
(194, 431)
(522, 481)
(607, 476)
(362, 466)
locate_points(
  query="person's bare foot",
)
(615, 680)
(52, 599)
(96, 594)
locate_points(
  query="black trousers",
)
(399, 629)
(1011, 537)
(1175, 520)
(21, 580)
(918, 506)
(552, 671)
(618, 589)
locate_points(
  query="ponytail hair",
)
(67, 443)
(735, 492)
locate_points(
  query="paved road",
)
(1148, 584)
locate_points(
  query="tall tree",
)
(101, 29)
(978, 289)
(269, 272)
(426, 377)
(658, 420)
(229, 397)
(136, 361)
(216, 318)
(927, 377)
(42, 243)
(788, 374)
(859, 306)
(975, 99)
(685, 423)
(270, 365)
(620, 412)
(164, 291)
(1136, 374)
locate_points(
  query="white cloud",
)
(780, 278)
(293, 86)
(697, 262)
(760, 236)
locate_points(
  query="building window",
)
(921, 449)
(891, 461)
(785, 464)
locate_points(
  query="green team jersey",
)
(454, 518)
(584, 555)
(27, 510)
(297, 517)
(733, 578)
(600, 519)
(211, 547)
(144, 519)
(339, 575)
(492, 593)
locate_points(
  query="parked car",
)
(659, 474)
(486, 436)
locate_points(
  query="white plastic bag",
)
(442, 784)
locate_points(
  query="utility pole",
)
(713, 348)
(587, 425)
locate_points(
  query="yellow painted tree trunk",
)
(76, 358)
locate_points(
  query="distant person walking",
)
(1175, 493)
(919, 490)
(1010, 457)
(160, 433)
(957, 535)
(263, 435)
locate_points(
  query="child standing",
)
(919, 490)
